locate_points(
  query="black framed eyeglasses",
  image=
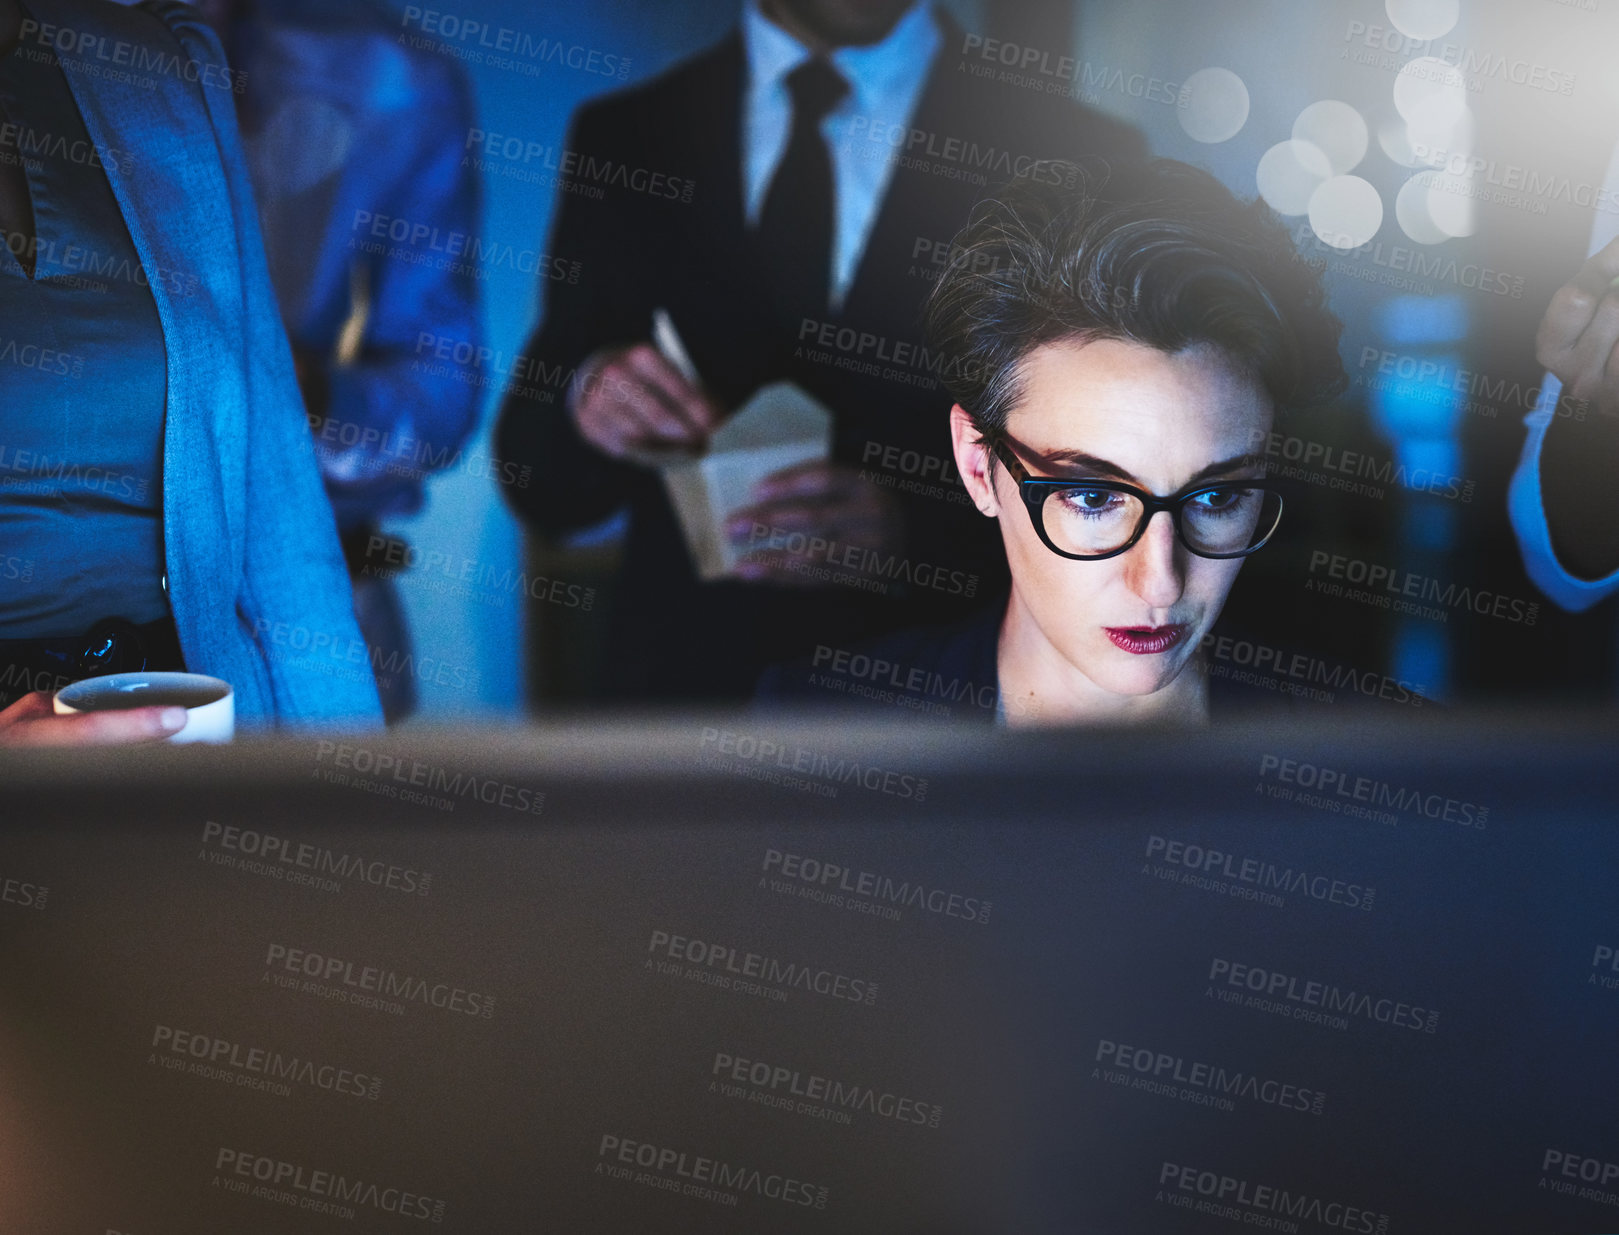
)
(1089, 520)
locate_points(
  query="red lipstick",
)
(1146, 640)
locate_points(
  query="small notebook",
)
(780, 427)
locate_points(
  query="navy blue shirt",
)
(83, 381)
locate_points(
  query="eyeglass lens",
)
(1217, 521)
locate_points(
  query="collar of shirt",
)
(885, 84)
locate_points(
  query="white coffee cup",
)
(210, 703)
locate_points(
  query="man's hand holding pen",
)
(630, 398)
(636, 398)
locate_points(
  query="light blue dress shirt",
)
(885, 83)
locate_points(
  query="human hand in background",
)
(805, 520)
(631, 397)
(1578, 340)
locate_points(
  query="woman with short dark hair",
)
(1119, 345)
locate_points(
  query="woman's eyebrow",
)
(1234, 463)
(1105, 469)
(1091, 463)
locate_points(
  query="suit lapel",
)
(717, 143)
(915, 206)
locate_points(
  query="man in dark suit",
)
(786, 198)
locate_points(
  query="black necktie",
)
(795, 226)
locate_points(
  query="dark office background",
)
(1287, 57)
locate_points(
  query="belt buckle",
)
(113, 645)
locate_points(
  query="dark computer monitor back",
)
(721, 977)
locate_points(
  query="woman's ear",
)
(973, 462)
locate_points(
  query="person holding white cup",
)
(160, 506)
(122, 708)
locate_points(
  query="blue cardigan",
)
(255, 576)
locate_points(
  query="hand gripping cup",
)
(209, 702)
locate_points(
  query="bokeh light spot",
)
(1213, 105)
(1345, 212)
(1289, 173)
(1450, 203)
(1430, 94)
(1337, 130)
(1424, 19)
(1411, 211)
